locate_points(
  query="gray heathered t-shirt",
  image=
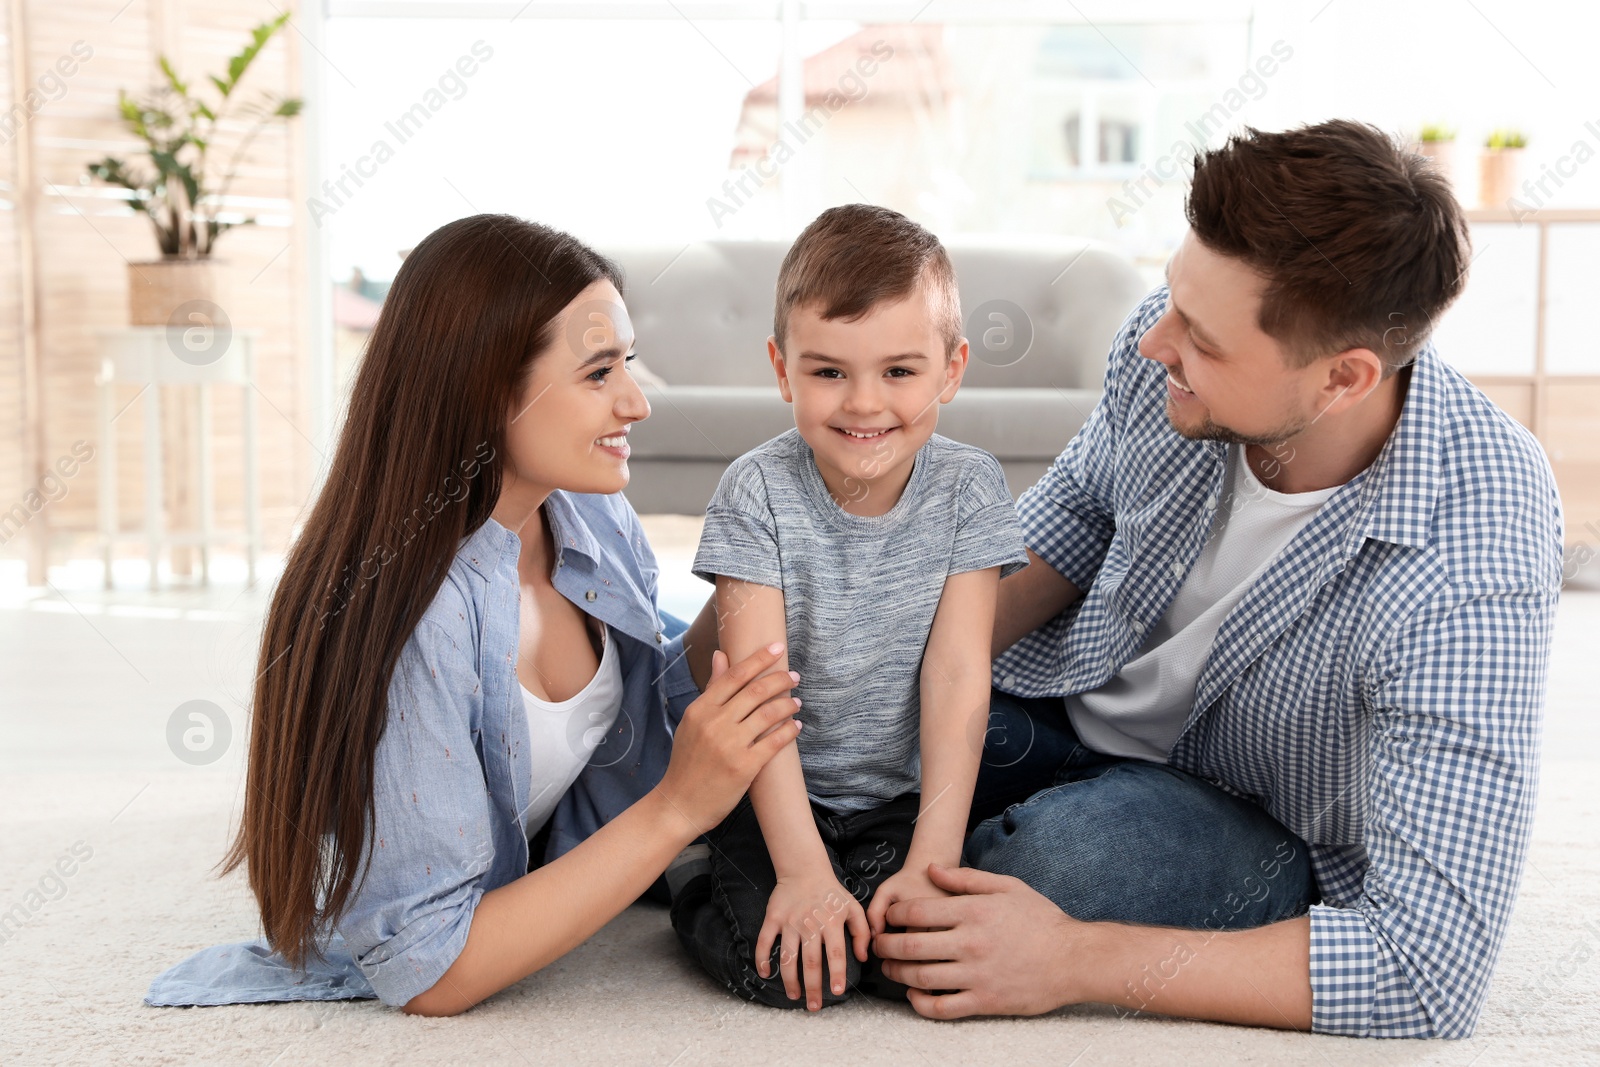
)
(859, 595)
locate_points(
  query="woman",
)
(464, 652)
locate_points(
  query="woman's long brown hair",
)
(417, 468)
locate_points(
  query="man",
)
(1275, 677)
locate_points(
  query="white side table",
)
(154, 356)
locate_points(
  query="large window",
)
(727, 120)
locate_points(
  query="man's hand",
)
(908, 883)
(1001, 946)
(1008, 950)
(810, 916)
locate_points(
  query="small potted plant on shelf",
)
(1498, 166)
(1438, 143)
(181, 193)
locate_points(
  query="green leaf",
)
(258, 40)
(173, 80)
(172, 168)
(114, 172)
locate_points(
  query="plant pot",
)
(157, 289)
(1443, 155)
(1498, 169)
(177, 294)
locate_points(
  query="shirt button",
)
(1136, 626)
(1211, 502)
(1009, 680)
(589, 595)
(1177, 568)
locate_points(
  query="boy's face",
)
(866, 394)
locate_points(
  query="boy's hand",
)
(809, 916)
(908, 883)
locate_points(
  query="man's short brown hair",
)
(1361, 242)
(857, 256)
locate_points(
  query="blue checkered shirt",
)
(1379, 689)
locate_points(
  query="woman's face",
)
(569, 429)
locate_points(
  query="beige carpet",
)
(92, 680)
(75, 972)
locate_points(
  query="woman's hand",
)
(808, 916)
(740, 722)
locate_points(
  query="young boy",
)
(874, 548)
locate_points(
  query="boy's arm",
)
(810, 916)
(955, 713)
(751, 617)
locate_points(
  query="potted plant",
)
(181, 194)
(1438, 143)
(1498, 166)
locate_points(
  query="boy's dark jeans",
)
(718, 918)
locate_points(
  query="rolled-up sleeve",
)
(431, 840)
(1456, 709)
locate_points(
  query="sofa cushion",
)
(703, 311)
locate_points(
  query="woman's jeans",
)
(1108, 838)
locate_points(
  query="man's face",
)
(1226, 380)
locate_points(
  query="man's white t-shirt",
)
(1141, 710)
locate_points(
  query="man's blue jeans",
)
(1125, 840)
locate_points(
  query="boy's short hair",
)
(856, 256)
(1361, 242)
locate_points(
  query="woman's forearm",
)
(525, 925)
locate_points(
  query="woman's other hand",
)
(741, 721)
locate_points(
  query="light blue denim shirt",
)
(452, 774)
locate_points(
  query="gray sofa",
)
(702, 315)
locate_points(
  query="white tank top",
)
(1141, 710)
(562, 735)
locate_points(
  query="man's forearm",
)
(1028, 599)
(1258, 977)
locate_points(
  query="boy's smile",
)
(866, 394)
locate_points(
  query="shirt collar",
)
(1403, 486)
(488, 547)
(568, 530)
